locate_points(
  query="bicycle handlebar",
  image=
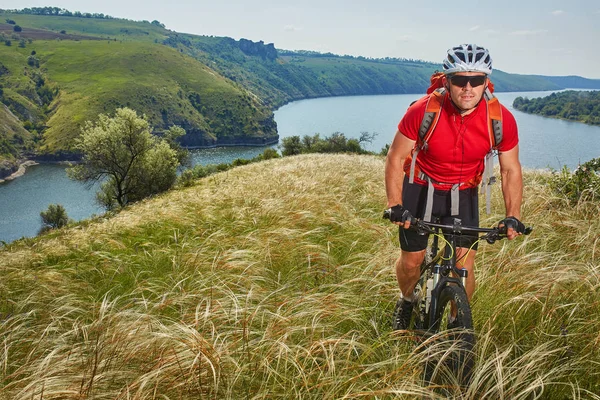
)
(490, 234)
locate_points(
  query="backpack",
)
(437, 95)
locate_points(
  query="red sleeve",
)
(411, 122)
(510, 132)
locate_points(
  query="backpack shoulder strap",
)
(432, 115)
(494, 111)
(433, 109)
(494, 118)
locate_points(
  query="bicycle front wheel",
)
(452, 350)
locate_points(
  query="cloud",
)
(526, 32)
(291, 28)
(557, 12)
(474, 28)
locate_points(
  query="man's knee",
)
(411, 260)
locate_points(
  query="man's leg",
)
(408, 271)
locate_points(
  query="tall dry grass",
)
(275, 280)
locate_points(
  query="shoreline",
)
(19, 172)
(28, 163)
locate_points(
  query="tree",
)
(54, 217)
(123, 154)
(291, 146)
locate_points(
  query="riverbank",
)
(19, 172)
(54, 160)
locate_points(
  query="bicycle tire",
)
(452, 351)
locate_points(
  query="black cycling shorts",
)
(414, 198)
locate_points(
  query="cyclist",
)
(447, 171)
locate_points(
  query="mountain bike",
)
(441, 303)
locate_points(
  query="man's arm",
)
(394, 168)
(512, 184)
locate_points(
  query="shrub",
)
(54, 217)
(269, 154)
(581, 184)
(17, 28)
(336, 143)
(186, 179)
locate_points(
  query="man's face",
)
(466, 88)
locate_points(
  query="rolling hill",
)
(275, 280)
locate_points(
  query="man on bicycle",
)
(439, 178)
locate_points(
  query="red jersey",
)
(457, 148)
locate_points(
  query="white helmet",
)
(468, 58)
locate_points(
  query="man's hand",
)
(401, 216)
(512, 227)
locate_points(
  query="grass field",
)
(275, 280)
(120, 29)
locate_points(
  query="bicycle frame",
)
(443, 263)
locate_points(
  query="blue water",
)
(544, 143)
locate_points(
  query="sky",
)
(549, 37)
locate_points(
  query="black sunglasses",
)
(461, 80)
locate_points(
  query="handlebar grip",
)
(503, 230)
(387, 214)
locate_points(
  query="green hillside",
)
(105, 28)
(167, 86)
(88, 77)
(275, 280)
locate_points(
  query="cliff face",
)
(14, 140)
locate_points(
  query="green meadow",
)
(275, 280)
(120, 29)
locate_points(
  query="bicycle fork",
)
(436, 284)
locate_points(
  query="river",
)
(544, 143)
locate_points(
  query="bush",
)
(583, 184)
(54, 217)
(269, 154)
(17, 28)
(186, 179)
(336, 143)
